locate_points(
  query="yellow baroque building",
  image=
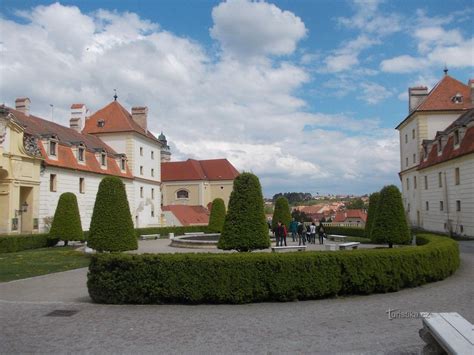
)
(20, 166)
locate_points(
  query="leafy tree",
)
(281, 213)
(268, 209)
(390, 225)
(245, 227)
(111, 225)
(356, 204)
(373, 202)
(300, 216)
(66, 224)
(217, 217)
(293, 197)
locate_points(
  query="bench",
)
(337, 238)
(331, 247)
(291, 247)
(149, 236)
(449, 332)
(193, 233)
(351, 245)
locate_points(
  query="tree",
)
(373, 201)
(217, 217)
(390, 225)
(300, 216)
(111, 225)
(281, 213)
(355, 204)
(66, 224)
(245, 227)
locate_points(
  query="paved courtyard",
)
(357, 324)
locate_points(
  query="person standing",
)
(294, 229)
(279, 231)
(312, 231)
(321, 233)
(301, 233)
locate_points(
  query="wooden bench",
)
(337, 238)
(149, 236)
(291, 247)
(449, 332)
(351, 245)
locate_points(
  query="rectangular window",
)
(406, 138)
(141, 192)
(440, 147)
(408, 208)
(152, 172)
(81, 185)
(103, 159)
(52, 182)
(80, 154)
(52, 148)
(414, 182)
(458, 205)
(408, 183)
(406, 161)
(141, 151)
(457, 176)
(152, 154)
(427, 205)
(413, 133)
(426, 182)
(122, 164)
(440, 179)
(414, 158)
(141, 170)
(456, 137)
(152, 194)
(153, 213)
(441, 206)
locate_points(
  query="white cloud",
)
(428, 37)
(373, 93)
(401, 64)
(246, 28)
(208, 107)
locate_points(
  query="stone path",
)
(356, 324)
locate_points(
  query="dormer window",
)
(103, 159)
(123, 162)
(440, 146)
(456, 137)
(81, 154)
(53, 148)
(100, 123)
(425, 152)
(457, 99)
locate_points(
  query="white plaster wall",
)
(117, 141)
(411, 147)
(145, 160)
(170, 219)
(439, 122)
(68, 181)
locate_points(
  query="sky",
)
(305, 94)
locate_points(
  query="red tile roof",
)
(38, 127)
(215, 169)
(466, 146)
(440, 98)
(77, 105)
(189, 215)
(116, 119)
(344, 215)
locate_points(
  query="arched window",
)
(182, 194)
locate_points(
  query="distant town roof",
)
(342, 216)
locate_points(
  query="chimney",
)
(79, 114)
(471, 86)
(139, 115)
(416, 96)
(22, 104)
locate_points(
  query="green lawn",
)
(36, 262)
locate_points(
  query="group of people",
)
(299, 232)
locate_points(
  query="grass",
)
(28, 263)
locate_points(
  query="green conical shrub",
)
(217, 217)
(111, 225)
(390, 225)
(281, 213)
(66, 224)
(373, 202)
(245, 227)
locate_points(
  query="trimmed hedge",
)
(14, 243)
(67, 221)
(281, 213)
(217, 217)
(256, 277)
(348, 231)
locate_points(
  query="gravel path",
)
(356, 324)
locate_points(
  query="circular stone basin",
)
(196, 241)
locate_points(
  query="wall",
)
(221, 189)
(169, 190)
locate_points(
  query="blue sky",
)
(303, 93)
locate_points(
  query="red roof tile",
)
(77, 105)
(216, 169)
(189, 215)
(440, 97)
(116, 119)
(344, 215)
